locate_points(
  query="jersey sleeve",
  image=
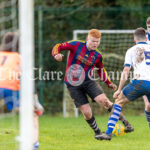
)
(71, 46)
(128, 59)
(102, 72)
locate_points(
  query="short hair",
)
(10, 42)
(94, 33)
(140, 34)
(148, 20)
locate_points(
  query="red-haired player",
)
(83, 57)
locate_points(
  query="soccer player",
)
(9, 79)
(138, 57)
(83, 57)
(148, 29)
(147, 103)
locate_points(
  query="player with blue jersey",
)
(137, 57)
(83, 58)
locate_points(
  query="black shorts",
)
(78, 93)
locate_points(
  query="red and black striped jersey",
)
(81, 56)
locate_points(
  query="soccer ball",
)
(118, 130)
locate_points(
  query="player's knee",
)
(104, 101)
(121, 100)
(147, 107)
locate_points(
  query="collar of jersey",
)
(141, 43)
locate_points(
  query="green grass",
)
(57, 133)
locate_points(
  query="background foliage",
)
(61, 17)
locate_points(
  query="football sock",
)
(113, 118)
(147, 114)
(93, 125)
(36, 146)
(122, 118)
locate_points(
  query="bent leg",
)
(103, 101)
(117, 108)
(107, 104)
(119, 102)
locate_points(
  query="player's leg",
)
(87, 113)
(96, 93)
(146, 98)
(81, 102)
(107, 104)
(115, 115)
(130, 92)
(36, 132)
(38, 111)
(147, 108)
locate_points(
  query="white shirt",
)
(138, 57)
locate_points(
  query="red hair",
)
(94, 33)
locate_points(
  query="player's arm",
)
(125, 73)
(56, 51)
(124, 77)
(103, 75)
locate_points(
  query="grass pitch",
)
(58, 133)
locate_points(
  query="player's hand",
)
(113, 86)
(59, 57)
(116, 94)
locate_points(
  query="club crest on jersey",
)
(84, 60)
(87, 55)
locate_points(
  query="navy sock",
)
(93, 125)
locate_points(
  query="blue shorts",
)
(10, 97)
(137, 89)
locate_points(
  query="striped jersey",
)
(81, 62)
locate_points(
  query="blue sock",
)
(147, 114)
(113, 118)
(36, 146)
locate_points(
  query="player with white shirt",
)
(137, 57)
(147, 103)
